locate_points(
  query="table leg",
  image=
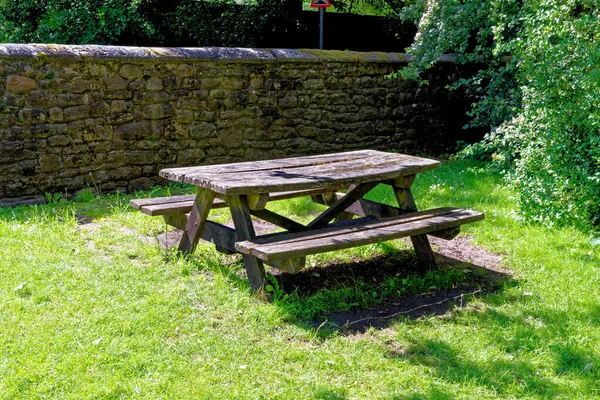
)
(195, 223)
(425, 257)
(244, 230)
(354, 194)
(329, 199)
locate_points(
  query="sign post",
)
(321, 5)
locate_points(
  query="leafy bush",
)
(539, 91)
(71, 21)
(227, 23)
(144, 22)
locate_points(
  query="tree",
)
(72, 21)
(539, 91)
(143, 22)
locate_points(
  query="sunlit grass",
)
(100, 310)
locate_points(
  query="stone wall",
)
(112, 117)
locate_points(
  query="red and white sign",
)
(320, 4)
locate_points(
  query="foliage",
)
(227, 23)
(539, 91)
(362, 7)
(143, 22)
(71, 21)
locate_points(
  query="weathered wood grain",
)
(257, 201)
(340, 205)
(342, 169)
(279, 220)
(198, 215)
(223, 237)
(368, 208)
(425, 256)
(244, 230)
(341, 227)
(183, 204)
(139, 203)
(180, 207)
(253, 166)
(352, 235)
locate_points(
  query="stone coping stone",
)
(210, 54)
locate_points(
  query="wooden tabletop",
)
(322, 171)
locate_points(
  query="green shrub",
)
(71, 21)
(539, 92)
(144, 22)
(229, 23)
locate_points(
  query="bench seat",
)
(183, 204)
(169, 205)
(288, 245)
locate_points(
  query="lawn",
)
(91, 306)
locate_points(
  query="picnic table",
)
(247, 187)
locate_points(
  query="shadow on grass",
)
(535, 335)
(351, 297)
(513, 341)
(503, 376)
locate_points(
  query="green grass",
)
(100, 311)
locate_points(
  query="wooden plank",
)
(404, 181)
(139, 203)
(322, 173)
(279, 220)
(291, 265)
(198, 215)
(253, 166)
(183, 204)
(368, 208)
(177, 208)
(257, 201)
(344, 227)
(423, 251)
(223, 237)
(339, 206)
(179, 221)
(342, 237)
(326, 176)
(244, 230)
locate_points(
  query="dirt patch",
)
(167, 239)
(439, 303)
(260, 227)
(461, 249)
(83, 219)
(86, 223)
